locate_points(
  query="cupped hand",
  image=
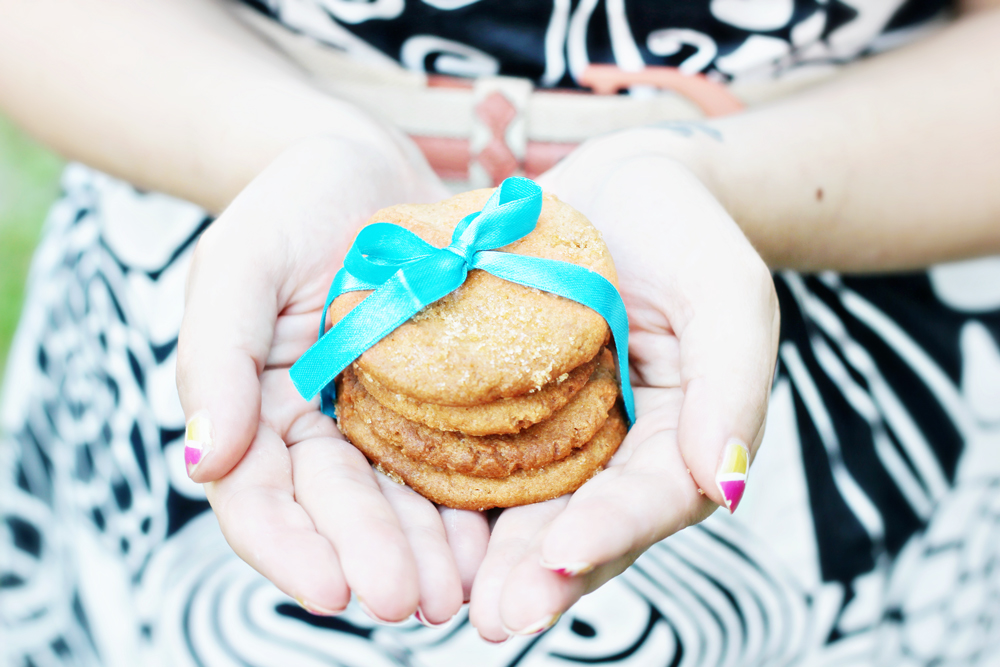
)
(293, 498)
(704, 322)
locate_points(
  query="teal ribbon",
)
(407, 274)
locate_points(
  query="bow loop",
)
(382, 249)
(508, 215)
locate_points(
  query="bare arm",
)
(906, 151)
(893, 165)
(172, 95)
(175, 96)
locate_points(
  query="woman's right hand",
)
(294, 499)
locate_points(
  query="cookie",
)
(460, 491)
(498, 455)
(490, 339)
(509, 415)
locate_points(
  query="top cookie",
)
(490, 339)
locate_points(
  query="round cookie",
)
(460, 491)
(490, 338)
(509, 415)
(493, 456)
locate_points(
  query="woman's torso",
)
(815, 570)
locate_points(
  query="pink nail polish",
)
(569, 569)
(197, 441)
(732, 475)
(192, 457)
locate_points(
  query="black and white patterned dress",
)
(881, 546)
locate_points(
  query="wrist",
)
(734, 173)
(265, 122)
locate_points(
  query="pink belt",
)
(506, 139)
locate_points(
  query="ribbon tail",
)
(578, 284)
(342, 283)
(369, 322)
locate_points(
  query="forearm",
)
(894, 165)
(172, 95)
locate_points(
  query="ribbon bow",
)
(408, 274)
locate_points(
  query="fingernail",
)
(420, 617)
(732, 476)
(364, 608)
(197, 441)
(371, 614)
(496, 641)
(569, 569)
(316, 610)
(535, 628)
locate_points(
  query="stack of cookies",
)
(498, 394)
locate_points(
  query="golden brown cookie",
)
(489, 339)
(480, 493)
(509, 415)
(498, 455)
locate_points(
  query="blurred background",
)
(29, 183)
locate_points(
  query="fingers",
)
(542, 558)
(337, 487)
(468, 535)
(439, 580)
(727, 381)
(626, 508)
(514, 594)
(534, 597)
(513, 535)
(224, 341)
(269, 252)
(264, 525)
(716, 295)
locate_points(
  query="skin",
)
(856, 175)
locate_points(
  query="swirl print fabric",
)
(869, 533)
(553, 43)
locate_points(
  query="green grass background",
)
(29, 183)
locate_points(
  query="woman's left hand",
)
(704, 322)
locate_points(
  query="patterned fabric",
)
(553, 43)
(869, 533)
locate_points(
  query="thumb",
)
(229, 316)
(727, 374)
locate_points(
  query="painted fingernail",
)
(569, 569)
(420, 617)
(535, 628)
(732, 476)
(197, 441)
(316, 610)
